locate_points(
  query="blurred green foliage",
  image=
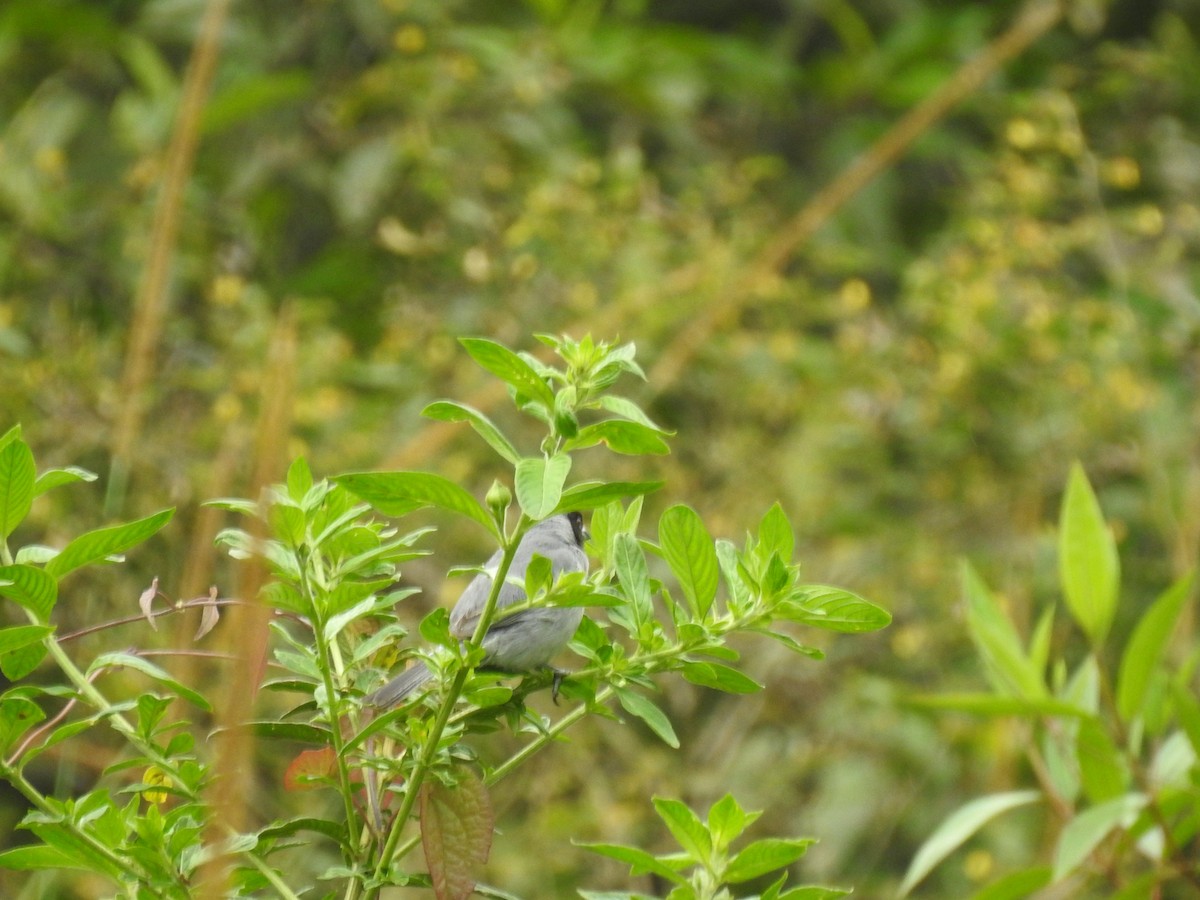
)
(1018, 290)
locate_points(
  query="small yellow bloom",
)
(410, 39)
(154, 775)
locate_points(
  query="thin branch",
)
(155, 613)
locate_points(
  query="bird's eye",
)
(576, 520)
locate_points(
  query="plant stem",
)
(575, 715)
(14, 777)
(434, 738)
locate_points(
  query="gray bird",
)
(524, 640)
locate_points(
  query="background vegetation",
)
(908, 362)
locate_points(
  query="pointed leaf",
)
(775, 534)
(456, 833)
(1004, 659)
(834, 609)
(735, 585)
(17, 715)
(17, 476)
(589, 495)
(640, 862)
(621, 436)
(299, 479)
(629, 410)
(40, 856)
(692, 556)
(510, 368)
(1145, 648)
(957, 827)
(720, 677)
(22, 636)
(130, 661)
(18, 663)
(765, 856)
(450, 411)
(31, 587)
(633, 575)
(1017, 885)
(399, 493)
(727, 820)
(999, 705)
(685, 825)
(104, 542)
(52, 478)
(539, 483)
(1102, 768)
(637, 705)
(1087, 558)
(1084, 833)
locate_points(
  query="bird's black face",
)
(581, 533)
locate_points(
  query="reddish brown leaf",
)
(456, 832)
(306, 769)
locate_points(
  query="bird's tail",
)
(400, 687)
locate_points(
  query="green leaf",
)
(17, 476)
(104, 542)
(720, 677)
(290, 731)
(834, 609)
(17, 715)
(1187, 709)
(958, 826)
(399, 493)
(456, 832)
(765, 856)
(637, 705)
(729, 559)
(814, 892)
(727, 820)
(289, 827)
(1102, 769)
(539, 483)
(692, 556)
(999, 705)
(594, 494)
(1084, 833)
(1087, 559)
(621, 436)
(337, 622)
(1017, 885)
(19, 663)
(130, 661)
(450, 411)
(633, 575)
(1004, 659)
(510, 368)
(775, 534)
(22, 636)
(299, 479)
(640, 862)
(685, 825)
(39, 856)
(1145, 648)
(627, 409)
(52, 478)
(31, 587)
